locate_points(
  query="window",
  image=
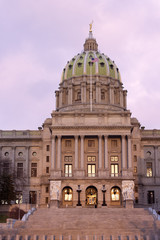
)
(68, 143)
(47, 148)
(91, 170)
(46, 200)
(114, 158)
(47, 169)
(114, 170)
(47, 158)
(34, 154)
(33, 169)
(68, 170)
(68, 158)
(6, 168)
(67, 194)
(134, 147)
(150, 197)
(20, 154)
(6, 154)
(149, 169)
(32, 197)
(91, 143)
(113, 143)
(102, 95)
(135, 158)
(79, 95)
(47, 189)
(135, 169)
(19, 170)
(115, 194)
(91, 158)
(136, 189)
(19, 197)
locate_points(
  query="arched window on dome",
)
(116, 96)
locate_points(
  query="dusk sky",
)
(38, 37)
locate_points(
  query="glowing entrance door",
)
(91, 196)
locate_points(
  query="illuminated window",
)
(68, 158)
(68, 143)
(19, 170)
(114, 170)
(19, 197)
(135, 169)
(114, 158)
(149, 169)
(91, 170)
(68, 170)
(91, 158)
(115, 194)
(91, 143)
(67, 194)
(33, 169)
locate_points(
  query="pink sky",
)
(39, 37)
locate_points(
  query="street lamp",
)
(79, 191)
(104, 191)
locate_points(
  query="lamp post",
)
(79, 191)
(104, 191)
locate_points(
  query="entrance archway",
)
(91, 196)
(115, 195)
(67, 196)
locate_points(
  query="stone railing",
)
(79, 237)
(20, 134)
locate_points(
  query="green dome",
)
(91, 62)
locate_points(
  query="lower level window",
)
(114, 170)
(149, 169)
(68, 170)
(91, 170)
(32, 197)
(150, 197)
(115, 194)
(19, 197)
(67, 194)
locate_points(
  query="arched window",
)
(91, 195)
(115, 194)
(67, 194)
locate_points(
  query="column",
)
(121, 98)
(57, 99)
(70, 95)
(53, 153)
(59, 153)
(60, 98)
(156, 161)
(129, 153)
(100, 151)
(98, 93)
(82, 152)
(76, 152)
(106, 162)
(125, 98)
(123, 152)
(27, 161)
(111, 95)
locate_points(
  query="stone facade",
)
(90, 152)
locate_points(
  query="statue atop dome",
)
(90, 26)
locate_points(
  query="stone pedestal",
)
(128, 193)
(54, 203)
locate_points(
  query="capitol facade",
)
(90, 152)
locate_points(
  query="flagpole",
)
(90, 86)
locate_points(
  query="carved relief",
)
(128, 190)
(55, 190)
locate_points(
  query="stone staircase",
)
(86, 224)
(82, 222)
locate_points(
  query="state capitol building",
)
(90, 152)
